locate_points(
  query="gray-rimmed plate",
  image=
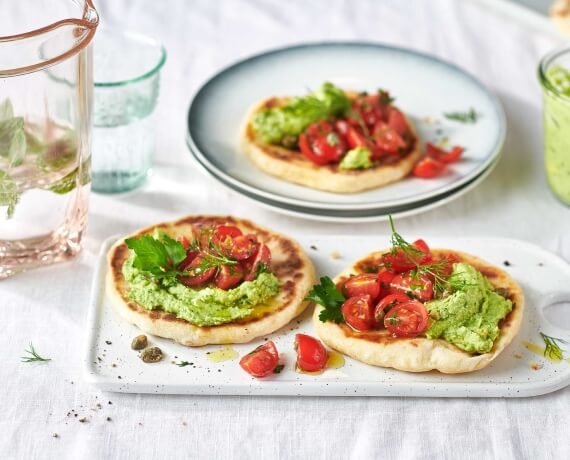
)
(424, 87)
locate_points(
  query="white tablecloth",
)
(48, 306)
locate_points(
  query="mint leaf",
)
(17, 151)
(6, 110)
(67, 183)
(327, 295)
(9, 128)
(9, 194)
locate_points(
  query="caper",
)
(139, 342)
(151, 355)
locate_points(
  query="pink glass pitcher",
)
(46, 83)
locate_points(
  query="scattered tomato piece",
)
(262, 361)
(441, 155)
(311, 353)
(428, 168)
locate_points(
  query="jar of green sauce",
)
(554, 74)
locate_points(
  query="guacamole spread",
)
(205, 306)
(469, 317)
(282, 125)
(358, 158)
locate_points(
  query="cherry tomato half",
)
(397, 121)
(384, 277)
(365, 283)
(321, 144)
(358, 312)
(428, 168)
(441, 155)
(406, 319)
(447, 261)
(417, 286)
(387, 303)
(262, 256)
(243, 247)
(399, 262)
(228, 276)
(367, 108)
(311, 353)
(197, 275)
(262, 361)
(224, 235)
(387, 139)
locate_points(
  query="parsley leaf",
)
(175, 249)
(158, 257)
(327, 295)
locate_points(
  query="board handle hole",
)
(557, 313)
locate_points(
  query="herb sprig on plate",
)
(470, 116)
(552, 349)
(33, 356)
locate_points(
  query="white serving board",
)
(111, 365)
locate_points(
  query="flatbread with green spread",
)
(267, 132)
(450, 350)
(207, 314)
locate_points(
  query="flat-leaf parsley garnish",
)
(160, 257)
(327, 295)
(463, 117)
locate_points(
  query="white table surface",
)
(48, 306)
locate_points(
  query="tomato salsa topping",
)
(329, 128)
(221, 256)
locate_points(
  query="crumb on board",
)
(335, 255)
(535, 366)
(83, 420)
(313, 247)
(517, 355)
(55, 435)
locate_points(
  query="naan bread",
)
(289, 263)
(420, 354)
(292, 166)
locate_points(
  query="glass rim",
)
(543, 68)
(149, 73)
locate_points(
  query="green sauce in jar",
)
(555, 80)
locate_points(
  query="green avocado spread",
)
(282, 125)
(469, 317)
(206, 306)
(357, 158)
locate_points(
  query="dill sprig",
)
(33, 356)
(434, 270)
(463, 117)
(182, 364)
(552, 349)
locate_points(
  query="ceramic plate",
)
(424, 87)
(356, 216)
(111, 365)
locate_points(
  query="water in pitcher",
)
(44, 182)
